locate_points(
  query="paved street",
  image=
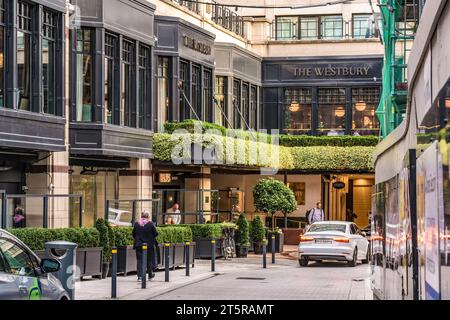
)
(244, 279)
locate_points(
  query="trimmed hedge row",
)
(124, 235)
(284, 139)
(35, 238)
(210, 231)
(247, 153)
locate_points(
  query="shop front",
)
(184, 62)
(111, 106)
(322, 96)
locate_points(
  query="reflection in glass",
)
(2, 66)
(286, 28)
(332, 27)
(144, 89)
(24, 56)
(110, 59)
(237, 123)
(221, 100)
(207, 96)
(128, 109)
(183, 90)
(163, 91)
(84, 76)
(309, 27)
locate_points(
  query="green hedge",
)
(35, 238)
(324, 158)
(210, 231)
(284, 139)
(334, 141)
(166, 234)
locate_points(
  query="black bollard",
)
(114, 273)
(213, 255)
(144, 266)
(264, 255)
(273, 249)
(166, 261)
(187, 258)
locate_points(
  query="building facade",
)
(79, 116)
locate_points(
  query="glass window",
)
(253, 122)
(84, 70)
(17, 258)
(48, 61)
(111, 43)
(128, 108)
(144, 87)
(332, 27)
(207, 95)
(163, 91)
(331, 111)
(245, 105)
(196, 91)
(328, 227)
(221, 101)
(363, 26)
(24, 54)
(286, 28)
(298, 110)
(237, 123)
(183, 87)
(365, 102)
(309, 27)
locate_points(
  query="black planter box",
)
(241, 251)
(88, 260)
(204, 247)
(126, 260)
(258, 248)
(279, 242)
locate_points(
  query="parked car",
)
(120, 218)
(23, 276)
(333, 240)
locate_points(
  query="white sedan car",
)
(333, 240)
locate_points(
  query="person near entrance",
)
(351, 216)
(173, 214)
(19, 217)
(144, 231)
(316, 214)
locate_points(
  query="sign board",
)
(339, 185)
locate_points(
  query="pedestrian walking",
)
(144, 231)
(316, 214)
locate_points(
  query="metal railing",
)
(226, 18)
(291, 30)
(191, 5)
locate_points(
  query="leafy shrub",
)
(123, 236)
(105, 241)
(166, 234)
(258, 231)
(210, 231)
(242, 237)
(35, 238)
(327, 141)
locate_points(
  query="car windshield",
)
(327, 227)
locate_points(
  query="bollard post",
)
(187, 258)
(166, 261)
(144, 266)
(114, 273)
(265, 255)
(273, 249)
(213, 255)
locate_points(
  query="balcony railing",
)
(226, 18)
(330, 29)
(191, 5)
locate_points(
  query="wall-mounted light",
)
(360, 106)
(165, 178)
(447, 103)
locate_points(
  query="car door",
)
(8, 285)
(22, 269)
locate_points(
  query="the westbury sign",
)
(332, 71)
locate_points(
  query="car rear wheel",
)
(303, 262)
(354, 261)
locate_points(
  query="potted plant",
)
(258, 235)
(242, 242)
(103, 228)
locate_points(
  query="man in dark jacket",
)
(144, 231)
